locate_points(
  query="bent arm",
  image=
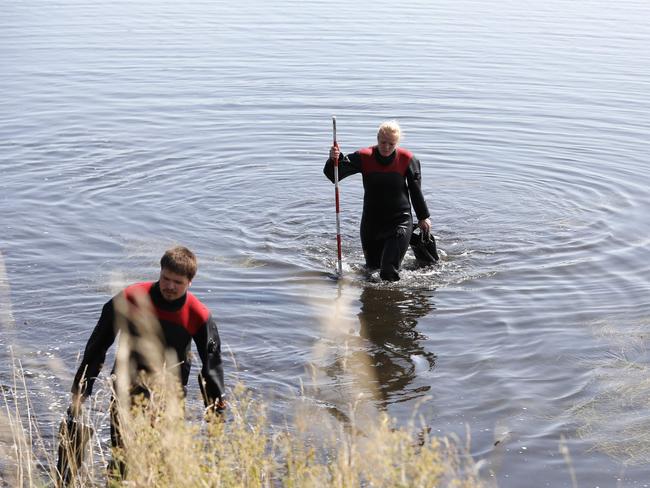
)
(348, 165)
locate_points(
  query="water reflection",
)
(388, 318)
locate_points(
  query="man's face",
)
(386, 143)
(172, 285)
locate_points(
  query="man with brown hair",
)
(173, 318)
(182, 318)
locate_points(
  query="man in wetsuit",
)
(178, 319)
(391, 181)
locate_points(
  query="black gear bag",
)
(423, 245)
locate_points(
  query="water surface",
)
(127, 128)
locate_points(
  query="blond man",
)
(392, 188)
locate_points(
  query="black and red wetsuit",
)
(390, 185)
(181, 321)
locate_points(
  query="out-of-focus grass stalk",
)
(6, 315)
(17, 431)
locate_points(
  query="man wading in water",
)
(176, 318)
(391, 181)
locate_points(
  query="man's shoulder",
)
(197, 307)
(366, 151)
(137, 289)
(405, 153)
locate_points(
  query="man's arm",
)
(414, 180)
(100, 340)
(208, 345)
(348, 165)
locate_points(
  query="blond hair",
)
(390, 127)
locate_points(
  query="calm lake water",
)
(126, 127)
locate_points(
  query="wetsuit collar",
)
(384, 161)
(160, 302)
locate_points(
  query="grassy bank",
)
(237, 449)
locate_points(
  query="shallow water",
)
(126, 128)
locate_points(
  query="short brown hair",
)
(180, 260)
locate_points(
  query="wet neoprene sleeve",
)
(101, 339)
(208, 346)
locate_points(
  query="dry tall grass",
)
(240, 449)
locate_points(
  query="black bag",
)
(423, 245)
(73, 439)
